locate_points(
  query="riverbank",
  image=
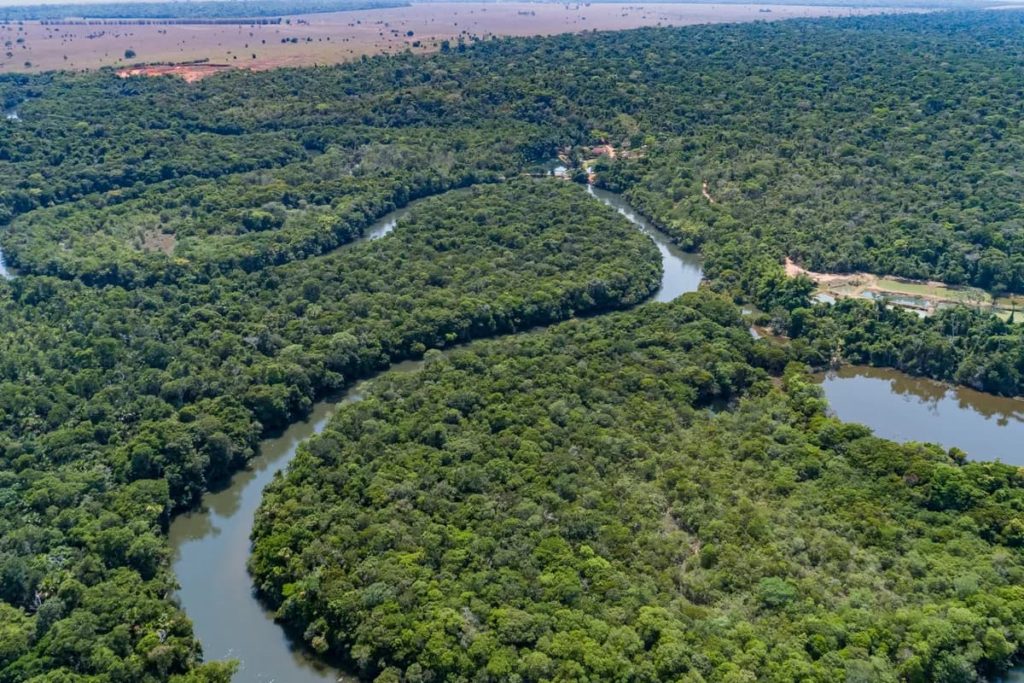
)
(210, 546)
(903, 408)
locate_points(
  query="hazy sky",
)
(22, 3)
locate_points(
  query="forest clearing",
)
(332, 38)
(925, 297)
(190, 72)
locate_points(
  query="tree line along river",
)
(210, 546)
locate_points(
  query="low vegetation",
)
(194, 9)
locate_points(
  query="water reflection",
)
(681, 271)
(904, 408)
(210, 548)
(211, 545)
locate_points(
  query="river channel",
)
(210, 546)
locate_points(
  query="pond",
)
(904, 408)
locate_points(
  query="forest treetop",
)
(182, 291)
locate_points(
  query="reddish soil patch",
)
(854, 280)
(190, 72)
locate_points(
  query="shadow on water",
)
(899, 407)
(904, 408)
(210, 546)
(210, 551)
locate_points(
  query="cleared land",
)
(923, 296)
(332, 38)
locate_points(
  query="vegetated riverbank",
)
(255, 343)
(114, 250)
(210, 546)
(564, 505)
(252, 353)
(902, 408)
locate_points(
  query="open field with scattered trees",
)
(331, 38)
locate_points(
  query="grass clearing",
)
(333, 38)
(936, 290)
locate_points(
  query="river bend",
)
(210, 546)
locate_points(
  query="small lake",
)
(210, 546)
(904, 408)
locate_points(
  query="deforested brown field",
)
(337, 37)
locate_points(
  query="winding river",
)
(210, 546)
(682, 271)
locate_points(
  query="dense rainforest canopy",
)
(183, 289)
(566, 506)
(882, 144)
(119, 406)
